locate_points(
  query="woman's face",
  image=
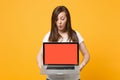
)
(61, 21)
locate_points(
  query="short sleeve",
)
(80, 38)
(46, 37)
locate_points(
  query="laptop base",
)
(44, 70)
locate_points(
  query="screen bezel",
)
(61, 43)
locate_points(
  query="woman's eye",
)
(56, 20)
(62, 18)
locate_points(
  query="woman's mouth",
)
(60, 26)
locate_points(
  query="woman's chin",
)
(60, 29)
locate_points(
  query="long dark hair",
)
(54, 35)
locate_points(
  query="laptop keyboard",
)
(61, 67)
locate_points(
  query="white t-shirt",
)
(63, 77)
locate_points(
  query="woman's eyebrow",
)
(62, 16)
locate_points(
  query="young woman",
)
(61, 31)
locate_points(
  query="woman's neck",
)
(63, 34)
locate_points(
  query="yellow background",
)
(23, 24)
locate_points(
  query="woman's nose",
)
(59, 22)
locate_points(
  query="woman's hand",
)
(81, 66)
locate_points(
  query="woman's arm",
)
(40, 54)
(40, 58)
(85, 54)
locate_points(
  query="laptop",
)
(60, 58)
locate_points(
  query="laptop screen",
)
(60, 53)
